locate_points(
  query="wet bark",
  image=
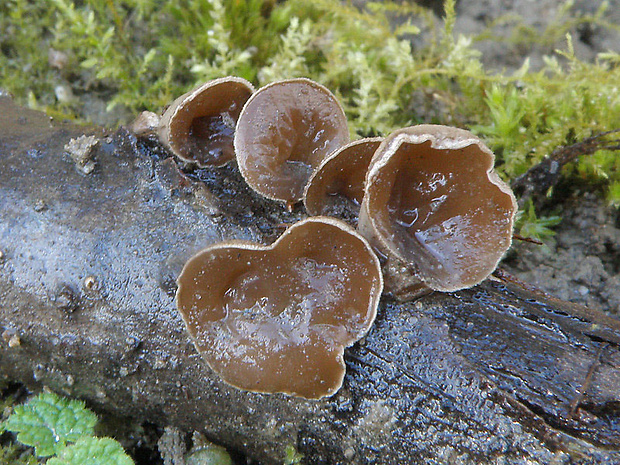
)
(494, 374)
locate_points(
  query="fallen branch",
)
(87, 281)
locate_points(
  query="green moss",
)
(16, 455)
(141, 54)
(529, 225)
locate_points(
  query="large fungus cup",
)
(336, 188)
(434, 204)
(199, 126)
(277, 318)
(284, 132)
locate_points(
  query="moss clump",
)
(140, 54)
(16, 455)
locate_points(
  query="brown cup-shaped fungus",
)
(434, 204)
(277, 318)
(284, 132)
(336, 187)
(199, 126)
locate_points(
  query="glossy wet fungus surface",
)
(277, 318)
(433, 202)
(199, 126)
(284, 132)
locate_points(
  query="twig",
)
(540, 178)
(586, 383)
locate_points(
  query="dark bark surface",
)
(494, 374)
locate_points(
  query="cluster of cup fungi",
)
(419, 210)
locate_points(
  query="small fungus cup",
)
(284, 132)
(199, 126)
(277, 318)
(434, 205)
(336, 188)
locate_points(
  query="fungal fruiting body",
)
(337, 185)
(277, 318)
(199, 126)
(284, 132)
(434, 204)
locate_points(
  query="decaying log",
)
(494, 374)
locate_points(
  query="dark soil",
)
(525, 22)
(581, 263)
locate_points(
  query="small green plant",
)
(614, 194)
(204, 452)
(292, 457)
(530, 226)
(63, 430)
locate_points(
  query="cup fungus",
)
(338, 183)
(434, 204)
(199, 126)
(284, 132)
(277, 318)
